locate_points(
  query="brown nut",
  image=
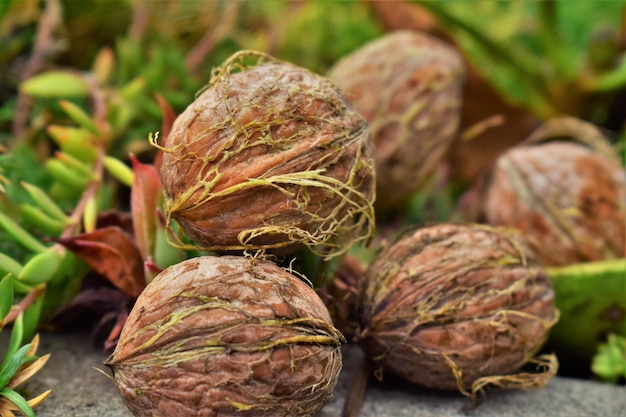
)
(270, 157)
(567, 199)
(408, 86)
(227, 336)
(456, 306)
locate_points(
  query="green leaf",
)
(44, 202)
(22, 163)
(31, 317)
(18, 400)
(19, 234)
(9, 265)
(76, 141)
(80, 116)
(41, 220)
(6, 297)
(41, 267)
(20, 287)
(14, 343)
(592, 302)
(119, 170)
(610, 361)
(5, 6)
(17, 359)
(132, 89)
(66, 175)
(55, 84)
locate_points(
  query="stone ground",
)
(80, 391)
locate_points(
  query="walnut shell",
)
(272, 156)
(567, 199)
(448, 305)
(408, 86)
(227, 336)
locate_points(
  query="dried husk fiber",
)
(565, 189)
(453, 306)
(227, 336)
(408, 86)
(270, 156)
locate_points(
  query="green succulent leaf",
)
(41, 267)
(6, 297)
(610, 362)
(41, 220)
(80, 116)
(44, 202)
(119, 170)
(55, 84)
(17, 335)
(592, 302)
(31, 317)
(75, 141)
(20, 234)
(66, 175)
(19, 401)
(8, 265)
(20, 287)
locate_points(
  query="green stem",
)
(561, 58)
(588, 268)
(608, 81)
(24, 303)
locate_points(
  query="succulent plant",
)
(269, 156)
(407, 85)
(457, 306)
(227, 336)
(565, 190)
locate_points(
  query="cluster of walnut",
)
(271, 159)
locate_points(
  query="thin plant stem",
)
(24, 303)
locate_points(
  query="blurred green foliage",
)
(84, 84)
(609, 363)
(552, 56)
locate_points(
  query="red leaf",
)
(114, 335)
(113, 254)
(168, 120)
(144, 197)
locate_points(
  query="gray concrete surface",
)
(80, 391)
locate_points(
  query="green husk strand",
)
(269, 156)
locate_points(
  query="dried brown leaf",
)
(30, 370)
(113, 254)
(33, 402)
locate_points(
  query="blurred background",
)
(84, 83)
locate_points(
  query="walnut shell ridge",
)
(270, 157)
(448, 305)
(227, 336)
